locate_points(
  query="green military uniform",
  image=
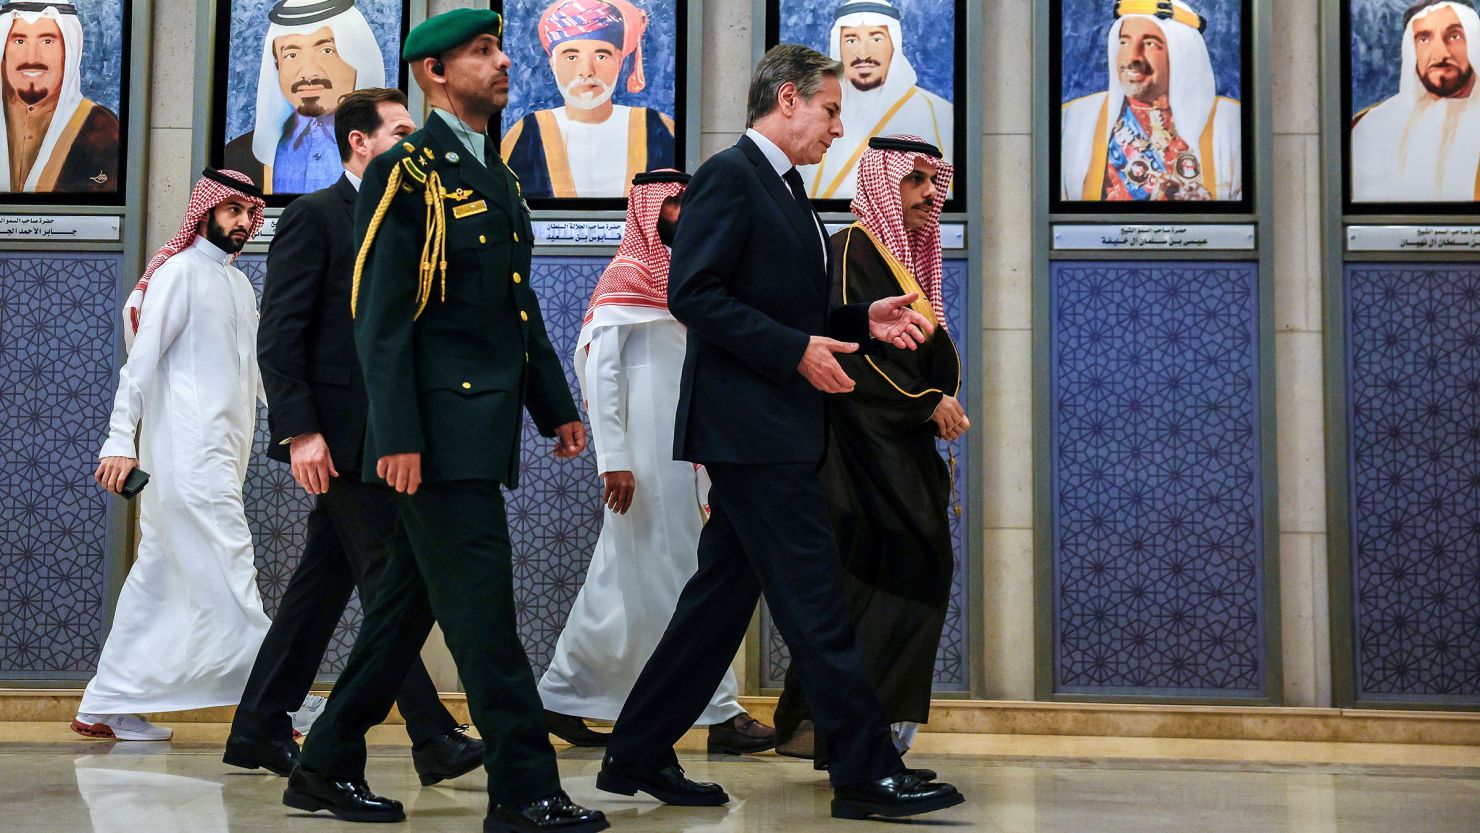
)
(451, 355)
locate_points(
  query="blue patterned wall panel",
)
(1413, 370)
(58, 321)
(952, 660)
(277, 512)
(1157, 533)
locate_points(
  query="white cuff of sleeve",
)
(615, 461)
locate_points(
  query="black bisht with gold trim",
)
(448, 329)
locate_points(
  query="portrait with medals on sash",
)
(62, 66)
(596, 96)
(286, 64)
(1151, 103)
(1414, 132)
(901, 71)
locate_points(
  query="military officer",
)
(453, 347)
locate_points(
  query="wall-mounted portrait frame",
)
(905, 72)
(70, 57)
(1117, 145)
(1411, 121)
(279, 69)
(599, 92)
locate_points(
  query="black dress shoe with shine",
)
(276, 756)
(904, 794)
(573, 730)
(347, 800)
(448, 756)
(555, 813)
(667, 784)
(740, 735)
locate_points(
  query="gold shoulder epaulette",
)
(416, 168)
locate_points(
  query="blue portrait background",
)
(532, 83)
(244, 61)
(1086, 26)
(928, 28)
(1376, 50)
(103, 27)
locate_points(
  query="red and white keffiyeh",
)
(877, 206)
(209, 191)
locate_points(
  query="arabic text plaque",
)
(1143, 237)
(1413, 238)
(63, 227)
(578, 232)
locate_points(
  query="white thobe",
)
(591, 149)
(644, 558)
(1426, 150)
(189, 620)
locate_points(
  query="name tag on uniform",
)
(469, 209)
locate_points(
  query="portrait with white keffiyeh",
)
(287, 64)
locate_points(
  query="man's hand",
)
(891, 320)
(950, 418)
(312, 466)
(112, 471)
(570, 440)
(619, 488)
(401, 472)
(821, 368)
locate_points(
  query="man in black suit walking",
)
(317, 411)
(750, 280)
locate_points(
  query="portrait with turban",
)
(592, 94)
(288, 64)
(1151, 101)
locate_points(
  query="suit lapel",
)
(347, 194)
(486, 182)
(801, 220)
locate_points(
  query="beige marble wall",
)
(1006, 375)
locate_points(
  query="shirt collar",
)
(210, 250)
(353, 180)
(775, 155)
(470, 138)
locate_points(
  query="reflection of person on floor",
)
(628, 356)
(189, 619)
(450, 362)
(888, 490)
(316, 407)
(125, 793)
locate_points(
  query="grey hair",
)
(782, 64)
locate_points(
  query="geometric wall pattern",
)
(1413, 381)
(58, 321)
(952, 659)
(1156, 479)
(277, 513)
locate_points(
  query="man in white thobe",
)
(1423, 144)
(1160, 131)
(628, 359)
(880, 96)
(189, 620)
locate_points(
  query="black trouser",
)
(450, 559)
(768, 534)
(344, 550)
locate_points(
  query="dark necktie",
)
(799, 192)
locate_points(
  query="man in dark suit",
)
(453, 348)
(316, 409)
(750, 279)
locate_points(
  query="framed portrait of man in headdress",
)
(903, 74)
(1413, 110)
(1153, 106)
(64, 81)
(596, 96)
(282, 66)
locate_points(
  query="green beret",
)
(436, 35)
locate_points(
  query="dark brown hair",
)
(360, 111)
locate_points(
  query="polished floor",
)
(50, 783)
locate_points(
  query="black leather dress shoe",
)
(899, 795)
(668, 785)
(447, 756)
(556, 813)
(276, 756)
(573, 730)
(347, 800)
(740, 735)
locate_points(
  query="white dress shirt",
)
(777, 157)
